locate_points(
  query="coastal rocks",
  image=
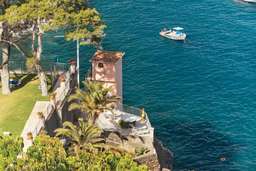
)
(158, 158)
(165, 156)
(162, 160)
(151, 160)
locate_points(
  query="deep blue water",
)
(201, 94)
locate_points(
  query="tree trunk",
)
(43, 83)
(41, 74)
(33, 41)
(5, 76)
(40, 46)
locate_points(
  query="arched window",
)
(100, 65)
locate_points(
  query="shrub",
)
(48, 153)
(10, 147)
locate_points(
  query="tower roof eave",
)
(108, 56)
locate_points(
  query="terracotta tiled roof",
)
(107, 56)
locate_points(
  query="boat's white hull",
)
(250, 1)
(173, 36)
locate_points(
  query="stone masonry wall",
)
(150, 160)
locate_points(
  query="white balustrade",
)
(35, 123)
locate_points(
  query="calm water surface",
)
(201, 94)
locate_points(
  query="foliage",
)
(141, 151)
(8, 38)
(86, 24)
(127, 164)
(10, 147)
(6, 3)
(45, 154)
(103, 161)
(74, 17)
(39, 16)
(48, 153)
(94, 100)
(30, 63)
(84, 136)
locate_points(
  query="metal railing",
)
(134, 110)
(137, 112)
(51, 66)
(20, 66)
(130, 109)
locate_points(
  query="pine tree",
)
(78, 21)
(6, 42)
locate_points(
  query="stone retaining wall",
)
(151, 160)
(43, 111)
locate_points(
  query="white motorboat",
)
(250, 1)
(174, 33)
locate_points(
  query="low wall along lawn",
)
(16, 108)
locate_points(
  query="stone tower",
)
(107, 68)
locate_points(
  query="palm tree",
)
(93, 101)
(83, 137)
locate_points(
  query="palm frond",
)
(93, 101)
(74, 106)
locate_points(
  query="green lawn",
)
(16, 108)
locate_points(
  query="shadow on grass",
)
(25, 79)
(198, 146)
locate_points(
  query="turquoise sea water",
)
(201, 94)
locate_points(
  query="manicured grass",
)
(16, 108)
